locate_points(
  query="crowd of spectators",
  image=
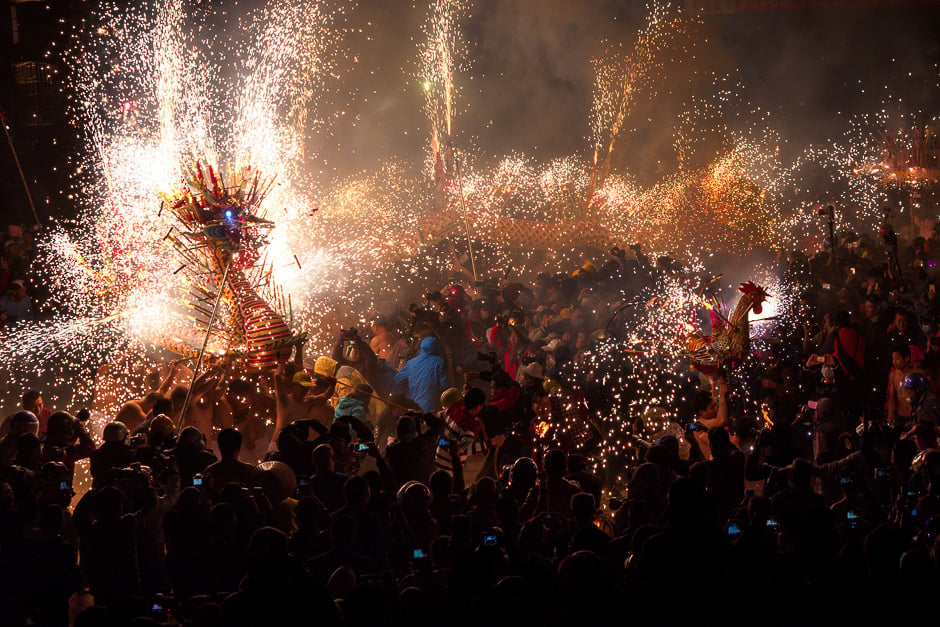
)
(445, 467)
(19, 250)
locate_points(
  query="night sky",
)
(529, 80)
(532, 80)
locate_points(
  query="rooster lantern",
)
(730, 339)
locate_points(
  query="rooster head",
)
(756, 293)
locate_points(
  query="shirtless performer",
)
(207, 391)
(136, 410)
(711, 417)
(249, 409)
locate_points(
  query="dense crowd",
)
(445, 466)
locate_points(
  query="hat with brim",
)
(450, 397)
(533, 370)
(303, 378)
(553, 345)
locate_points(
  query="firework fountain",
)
(166, 86)
(157, 89)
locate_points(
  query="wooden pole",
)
(29, 196)
(205, 342)
(466, 219)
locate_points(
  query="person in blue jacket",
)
(425, 375)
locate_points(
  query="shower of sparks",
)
(622, 77)
(440, 58)
(158, 87)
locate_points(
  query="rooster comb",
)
(750, 288)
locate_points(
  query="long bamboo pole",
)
(29, 196)
(463, 208)
(205, 342)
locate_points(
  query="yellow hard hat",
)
(302, 377)
(450, 397)
(325, 366)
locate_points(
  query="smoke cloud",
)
(529, 78)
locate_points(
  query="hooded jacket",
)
(426, 375)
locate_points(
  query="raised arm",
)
(723, 412)
(171, 375)
(282, 381)
(206, 382)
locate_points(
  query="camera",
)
(733, 529)
(351, 334)
(888, 235)
(420, 554)
(161, 462)
(827, 211)
(135, 475)
(373, 580)
(64, 486)
(490, 540)
(362, 447)
(443, 442)
(772, 524)
(882, 473)
(197, 479)
(491, 357)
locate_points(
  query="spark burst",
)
(166, 84)
(157, 86)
